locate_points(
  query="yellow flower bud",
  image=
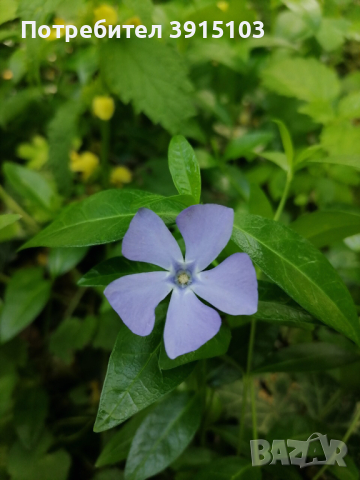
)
(223, 6)
(120, 175)
(107, 13)
(85, 163)
(7, 74)
(103, 107)
(133, 21)
(52, 36)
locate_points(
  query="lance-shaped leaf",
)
(163, 436)
(8, 219)
(184, 167)
(25, 296)
(133, 379)
(300, 269)
(112, 269)
(326, 227)
(105, 217)
(308, 357)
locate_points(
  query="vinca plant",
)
(180, 242)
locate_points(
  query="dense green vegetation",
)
(93, 129)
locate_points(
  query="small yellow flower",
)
(133, 21)
(120, 175)
(107, 13)
(53, 31)
(7, 74)
(85, 163)
(223, 6)
(103, 107)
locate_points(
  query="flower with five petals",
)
(230, 287)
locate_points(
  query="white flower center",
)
(183, 278)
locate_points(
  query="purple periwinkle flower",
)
(230, 287)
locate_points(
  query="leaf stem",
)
(346, 437)
(105, 146)
(284, 196)
(246, 382)
(15, 207)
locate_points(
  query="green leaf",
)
(348, 160)
(143, 8)
(349, 106)
(229, 468)
(342, 139)
(163, 436)
(215, 347)
(8, 219)
(26, 464)
(245, 145)
(30, 411)
(278, 158)
(105, 217)
(309, 10)
(72, 334)
(332, 33)
(33, 187)
(287, 142)
(7, 10)
(304, 78)
(259, 203)
(300, 269)
(323, 227)
(62, 131)
(15, 105)
(184, 167)
(25, 296)
(134, 380)
(112, 269)
(307, 357)
(351, 472)
(117, 449)
(150, 74)
(62, 260)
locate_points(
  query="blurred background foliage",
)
(79, 117)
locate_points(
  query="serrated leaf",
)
(152, 76)
(303, 78)
(294, 264)
(25, 296)
(307, 357)
(215, 347)
(184, 167)
(112, 269)
(163, 435)
(8, 219)
(323, 228)
(105, 217)
(134, 380)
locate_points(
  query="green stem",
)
(105, 146)
(284, 196)
(15, 207)
(345, 439)
(246, 382)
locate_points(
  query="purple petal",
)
(231, 286)
(189, 323)
(206, 230)
(135, 297)
(149, 240)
